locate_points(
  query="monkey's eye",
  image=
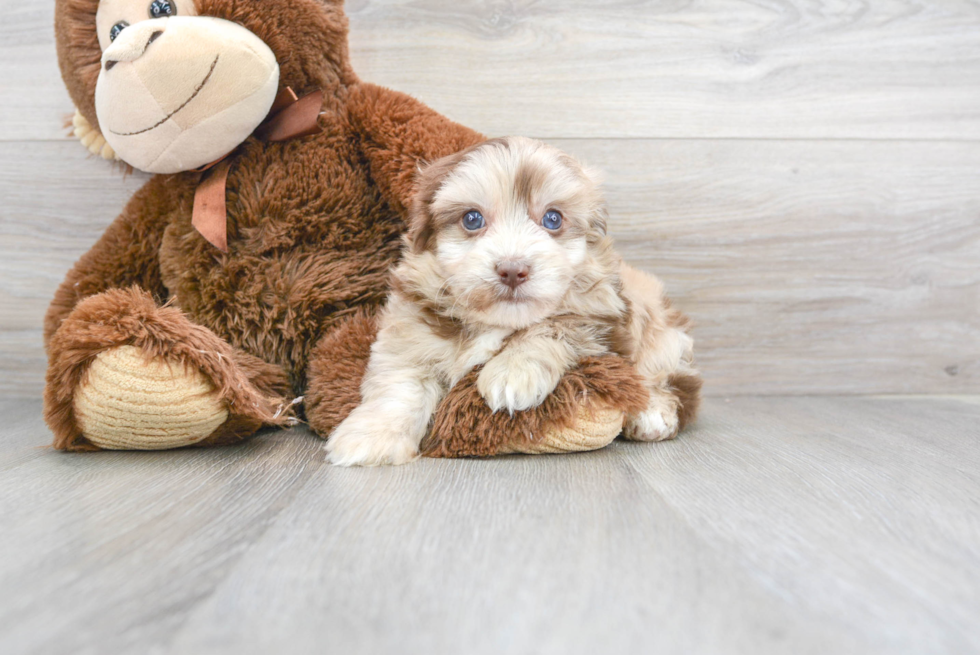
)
(473, 221)
(552, 220)
(116, 29)
(162, 9)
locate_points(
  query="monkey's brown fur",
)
(314, 225)
(465, 427)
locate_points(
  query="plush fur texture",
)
(337, 369)
(508, 267)
(314, 224)
(314, 227)
(249, 386)
(465, 426)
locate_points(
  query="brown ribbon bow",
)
(290, 118)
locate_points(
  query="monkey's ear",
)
(91, 138)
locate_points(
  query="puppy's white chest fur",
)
(476, 351)
(408, 340)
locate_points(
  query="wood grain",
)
(93, 542)
(811, 266)
(825, 267)
(57, 200)
(33, 101)
(831, 268)
(720, 69)
(777, 525)
(609, 68)
(803, 177)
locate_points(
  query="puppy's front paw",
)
(365, 440)
(514, 384)
(655, 424)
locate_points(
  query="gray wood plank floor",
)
(777, 525)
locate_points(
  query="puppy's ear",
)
(599, 220)
(594, 175)
(421, 225)
(599, 211)
(593, 201)
(429, 179)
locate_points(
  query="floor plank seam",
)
(309, 469)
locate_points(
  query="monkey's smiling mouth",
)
(174, 112)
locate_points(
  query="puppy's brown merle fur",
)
(508, 266)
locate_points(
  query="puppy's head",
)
(505, 228)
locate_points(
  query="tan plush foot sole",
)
(131, 403)
(592, 431)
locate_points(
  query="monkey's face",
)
(177, 90)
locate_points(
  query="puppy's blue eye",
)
(473, 221)
(552, 220)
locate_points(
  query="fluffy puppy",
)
(508, 266)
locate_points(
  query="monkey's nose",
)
(513, 273)
(131, 44)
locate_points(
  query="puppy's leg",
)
(529, 367)
(522, 375)
(399, 396)
(663, 353)
(387, 429)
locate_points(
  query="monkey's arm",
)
(126, 255)
(398, 133)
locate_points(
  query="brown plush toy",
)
(244, 276)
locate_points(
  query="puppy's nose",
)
(512, 273)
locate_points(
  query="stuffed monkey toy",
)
(238, 287)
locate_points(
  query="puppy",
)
(508, 266)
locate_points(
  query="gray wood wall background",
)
(803, 174)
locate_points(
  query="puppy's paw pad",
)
(652, 425)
